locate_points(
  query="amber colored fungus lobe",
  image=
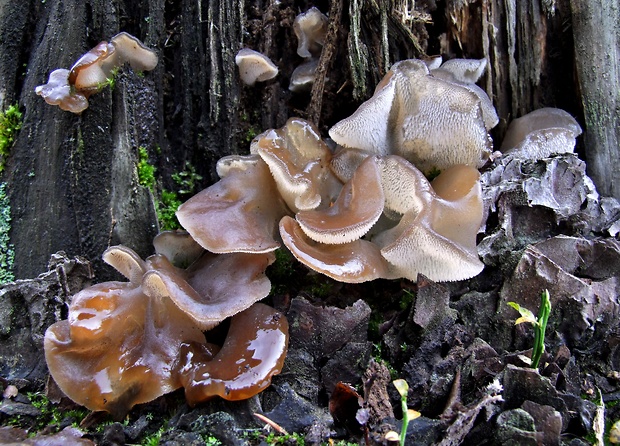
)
(214, 287)
(239, 213)
(354, 262)
(58, 92)
(117, 347)
(357, 209)
(253, 352)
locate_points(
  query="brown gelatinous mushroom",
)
(117, 348)
(239, 213)
(86, 74)
(299, 161)
(253, 352)
(430, 122)
(131, 50)
(58, 92)
(541, 133)
(254, 66)
(354, 262)
(178, 247)
(437, 234)
(311, 29)
(90, 73)
(119, 343)
(355, 211)
(214, 287)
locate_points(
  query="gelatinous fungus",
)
(288, 171)
(254, 66)
(117, 347)
(240, 212)
(433, 229)
(253, 352)
(70, 89)
(541, 133)
(386, 221)
(121, 338)
(311, 29)
(431, 122)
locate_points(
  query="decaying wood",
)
(596, 25)
(325, 61)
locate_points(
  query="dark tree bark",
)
(72, 179)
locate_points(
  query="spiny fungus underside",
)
(362, 211)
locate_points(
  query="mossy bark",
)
(72, 179)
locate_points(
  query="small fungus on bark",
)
(254, 66)
(311, 29)
(541, 133)
(70, 89)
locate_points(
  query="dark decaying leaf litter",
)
(456, 344)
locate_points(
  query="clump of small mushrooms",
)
(126, 343)
(362, 211)
(70, 89)
(386, 220)
(311, 29)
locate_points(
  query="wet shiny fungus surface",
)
(252, 354)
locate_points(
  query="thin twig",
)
(325, 61)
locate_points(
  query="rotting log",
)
(596, 25)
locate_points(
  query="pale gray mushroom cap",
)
(254, 66)
(131, 50)
(541, 133)
(310, 28)
(467, 71)
(303, 76)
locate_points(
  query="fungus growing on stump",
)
(122, 340)
(386, 221)
(431, 122)
(70, 89)
(254, 66)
